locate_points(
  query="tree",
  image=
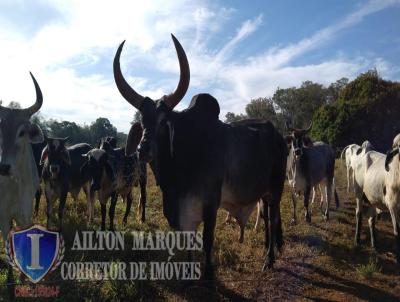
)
(367, 109)
(334, 89)
(100, 128)
(232, 117)
(137, 118)
(298, 105)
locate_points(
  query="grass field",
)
(319, 260)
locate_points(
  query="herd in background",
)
(200, 164)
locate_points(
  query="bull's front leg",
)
(210, 217)
(306, 202)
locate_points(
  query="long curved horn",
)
(39, 98)
(309, 128)
(173, 99)
(127, 91)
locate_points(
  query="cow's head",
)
(298, 139)
(393, 152)
(155, 113)
(97, 165)
(16, 132)
(55, 156)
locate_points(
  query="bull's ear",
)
(65, 157)
(133, 140)
(358, 151)
(389, 156)
(44, 155)
(35, 133)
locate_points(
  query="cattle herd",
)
(199, 163)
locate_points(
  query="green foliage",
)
(367, 109)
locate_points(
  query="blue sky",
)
(237, 50)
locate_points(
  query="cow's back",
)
(254, 153)
(320, 161)
(76, 178)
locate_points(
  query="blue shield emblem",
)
(35, 251)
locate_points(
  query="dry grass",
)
(318, 262)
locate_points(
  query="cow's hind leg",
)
(371, 222)
(359, 209)
(63, 199)
(306, 202)
(111, 211)
(38, 194)
(129, 199)
(396, 230)
(294, 219)
(142, 200)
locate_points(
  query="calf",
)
(113, 173)
(310, 165)
(61, 174)
(37, 153)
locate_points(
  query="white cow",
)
(352, 154)
(377, 184)
(19, 178)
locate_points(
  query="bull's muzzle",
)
(5, 170)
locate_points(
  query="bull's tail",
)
(343, 152)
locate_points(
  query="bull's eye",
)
(22, 133)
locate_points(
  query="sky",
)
(237, 50)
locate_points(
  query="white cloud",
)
(71, 56)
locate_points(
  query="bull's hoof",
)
(208, 274)
(268, 264)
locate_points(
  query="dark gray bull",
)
(201, 163)
(113, 173)
(61, 173)
(309, 165)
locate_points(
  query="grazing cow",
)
(201, 163)
(310, 165)
(37, 153)
(113, 173)
(19, 178)
(378, 186)
(61, 174)
(352, 153)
